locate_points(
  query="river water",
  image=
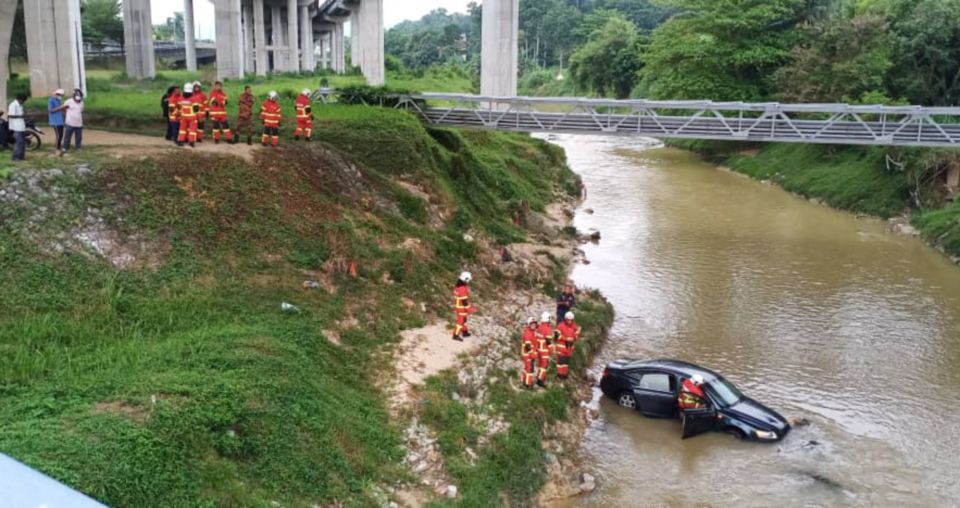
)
(814, 312)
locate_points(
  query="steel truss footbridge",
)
(731, 121)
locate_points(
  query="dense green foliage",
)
(608, 62)
(101, 22)
(178, 381)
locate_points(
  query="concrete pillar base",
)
(54, 45)
(499, 48)
(189, 35)
(260, 39)
(247, 26)
(338, 49)
(355, 39)
(7, 12)
(371, 42)
(138, 39)
(293, 36)
(229, 39)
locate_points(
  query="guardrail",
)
(732, 121)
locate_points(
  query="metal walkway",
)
(732, 121)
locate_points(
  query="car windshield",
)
(724, 392)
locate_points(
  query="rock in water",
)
(587, 483)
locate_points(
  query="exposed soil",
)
(122, 144)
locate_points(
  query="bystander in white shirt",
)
(16, 124)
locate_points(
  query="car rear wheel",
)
(626, 399)
(735, 432)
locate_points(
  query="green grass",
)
(180, 382)
(941, 227)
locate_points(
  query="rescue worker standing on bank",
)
(218, 113)
(544, 347)
(691, 393)
(304, 116)
(271, 115)
(245, 116)
(566, 300)
(461, 306)
(528, 352)
(173, 113)
(204, 112)
(567, 334)
(189, 109)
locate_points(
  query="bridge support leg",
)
(293, 37)
(276, 38)
(189, 35)
(307, 48)
(247, 27)
(7, 12)
(371, 41)
(260, 38)
(499, 48)
(229, 39)
(355, 49)
(138, 39)
(54, 45)
(338, 56)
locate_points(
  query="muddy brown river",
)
(814, 312)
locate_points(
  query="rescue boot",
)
(193, 145)
(457, 338)
(249, 140)
(541, 384)
(466, 334)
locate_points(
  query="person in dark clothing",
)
(171, 95)
(3, 132)
(566, 301)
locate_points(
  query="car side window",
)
(656, 382)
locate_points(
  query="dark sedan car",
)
(652, 387)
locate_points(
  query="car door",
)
(656, 395)
(698, 421)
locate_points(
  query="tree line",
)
(861, 51)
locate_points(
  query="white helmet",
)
(188, 88)
(272, 94)
(466, 277)
(568, 316)
(197, 84)
(545, 317)
(306, 91)
(697, 379)
(531, 321)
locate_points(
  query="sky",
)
(394, 11)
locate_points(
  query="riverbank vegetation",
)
(145, 357)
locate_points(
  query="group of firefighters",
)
(540, 342)
(188, 108)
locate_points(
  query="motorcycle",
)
(33, 134)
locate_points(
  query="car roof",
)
(685, 369)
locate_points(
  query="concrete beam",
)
(307, 48)
(499, 48)
(371, 42)
(229, 39)
(54, 45)
(293, 37)
(7, 12)
(247, 24)
(355, 39)
(260, 38)
(189, 35)
(138, 39)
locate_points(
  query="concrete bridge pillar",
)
(247, 25)
(355, 39)
(338, 49)
(189, 35)
(261, 63)
(276, 39)
(953, 178)
(229, 39)
(371, 41)
(499, 48)
(138, 39)
(307, 48)
(323, 51)
(293, 36)
(54, 45)
(7, 12)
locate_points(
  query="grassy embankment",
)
(856, 179)
(177, 381)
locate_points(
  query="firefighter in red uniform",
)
(691, 393)
(173, 114)
(461, 306)
(218, 113)
(202, 115)
(528, 352)
(271, 115)
(188, 116)
(304, 116)
(567, 334)
(544, 347)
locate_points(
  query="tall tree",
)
(171, 30)
(720, 49)
(608, 62)
(646, 14)
(101, 22)
(926, 66)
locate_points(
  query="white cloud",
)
(394, 11)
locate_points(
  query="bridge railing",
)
(735, 121)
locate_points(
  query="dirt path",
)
(118, 143)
